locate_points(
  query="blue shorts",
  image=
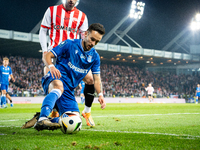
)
(198, 94)
(67, 101)
(4, 87)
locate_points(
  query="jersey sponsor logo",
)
(5, 73)
(66, 18)
(59, 27)
(76, 68)
(58, 16)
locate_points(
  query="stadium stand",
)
(118, 80)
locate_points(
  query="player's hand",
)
(13, 80)
(102, 102)
(55, 73)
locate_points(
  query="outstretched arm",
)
(47, 60)
(13, 79)
(99, 89)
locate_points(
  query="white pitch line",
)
(8, 120)
(152, 133)
(133, 132)
(126, 115)
(147, 115)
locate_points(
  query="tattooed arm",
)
(99, 89)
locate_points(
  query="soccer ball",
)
(70, 122)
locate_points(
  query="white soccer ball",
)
(70, 122)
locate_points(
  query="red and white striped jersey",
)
(63, 24)
(150, 90)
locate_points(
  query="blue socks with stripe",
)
(49, 102)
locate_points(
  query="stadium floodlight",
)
(137, 9)
(64, 1)
(195, 24)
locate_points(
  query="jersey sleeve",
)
(46, 21)
(84, 26)
(62, 48)
(96, 67)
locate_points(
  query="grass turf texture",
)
(119, 126)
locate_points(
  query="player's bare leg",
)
(8, 96)
(152, 98)
(89, 98)
(149, 98)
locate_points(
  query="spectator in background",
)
(150, 91)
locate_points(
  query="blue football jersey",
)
(5, 72)
(198, 88)
(74, 63)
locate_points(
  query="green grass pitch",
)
(119, 126)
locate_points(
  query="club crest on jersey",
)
(62, 43)
(76, 51)
(82, 56)
(89, 59)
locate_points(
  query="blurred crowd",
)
(27, 73)
(117, 80)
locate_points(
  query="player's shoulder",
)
(58, 6)
(76, 9)
(69, 42)
(94, 53)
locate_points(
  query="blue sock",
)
(197, 100)
(54, 120)
(3, 100)
(49, 102)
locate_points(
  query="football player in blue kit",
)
(75, 58)
(197, 93)
(82, 87)
(5, 73)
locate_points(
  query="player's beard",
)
(71, 4)
(86, 47)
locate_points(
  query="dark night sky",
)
(161, 22)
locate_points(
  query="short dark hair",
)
(97, 27)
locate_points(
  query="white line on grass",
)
(133, 132)
(127, 115)
(148, 115)
(8, 120)
(170, 134)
